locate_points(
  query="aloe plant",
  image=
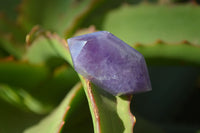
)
(41, 93)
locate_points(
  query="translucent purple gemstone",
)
(109, 63)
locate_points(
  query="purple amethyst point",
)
(109, 63)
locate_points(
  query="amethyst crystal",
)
(109, 63)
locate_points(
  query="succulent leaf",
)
(14, 120)
(11, 30)
(22, 99)
(63, 78)
(54, 122)
(58, 16)
(159, 32)
(16, 73)
(8, 7)
(38, 79)
(44, 47)
(11, 38)
(111, 114)
(9, 49)
(176, 54)
(147, 23)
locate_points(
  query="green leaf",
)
(23, 81)
(22, 74)
(22, 99)
(176, 54)
(162, 26)
(97, 15)
(54, 122)
(14, 120)
(149, 23)
(45, 47)
(9, 8)
(11, 38)
(63, 79)
(110, 114)
(39, 80)
(58, 16)
(49, 49)
(9, 48)
(11, 31)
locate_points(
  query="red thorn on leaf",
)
(186, 42)
(159, 41)
(8, 58)
(137, 44)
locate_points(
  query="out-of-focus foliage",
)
(56, 120)
(159, 22)
(37, 77)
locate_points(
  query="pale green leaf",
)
(14, 120)
(111, 114)
(176, 54)
(22, 74)
(58, 16)
(45, 48)
(22, 99)
(54, 122)
(147, 23)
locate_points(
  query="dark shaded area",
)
(79, 117)
(9, 7)
(106, 104)
(189, 113)
(3, 53)
(96, 17)
(13, 120)
(173, 102)
(170, 62)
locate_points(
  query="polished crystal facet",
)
(109, 63)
